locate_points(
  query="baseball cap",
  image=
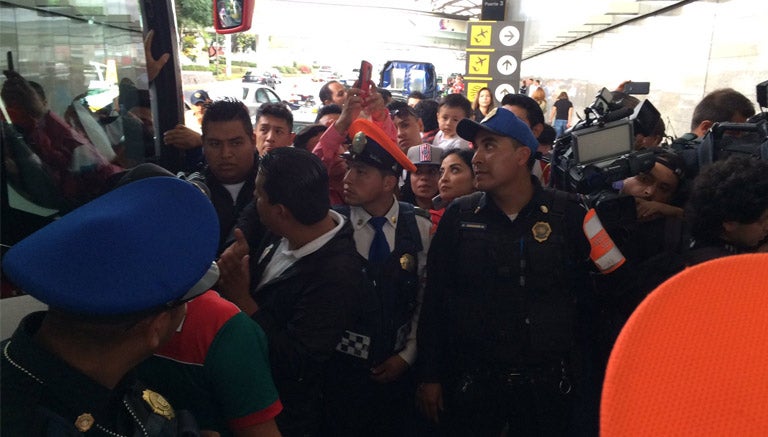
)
(372, 146)
(500, 121)
(425, 154)
(199, 96)
(145, 245)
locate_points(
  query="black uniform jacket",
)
(304, 312)
(502, 292)
(42, 395)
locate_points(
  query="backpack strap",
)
(408, 214)
(342, 209)
(559, 202)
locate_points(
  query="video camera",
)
(725, 139)
(720, 142)
(599, 150)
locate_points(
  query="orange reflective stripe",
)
(604, 253)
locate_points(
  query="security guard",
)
(116, 274)
(373, 388)
(499, 336)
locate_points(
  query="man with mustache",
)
(502, 335)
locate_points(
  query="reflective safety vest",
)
(606, 256)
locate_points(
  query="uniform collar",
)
(487, 202)
(359, 216)
(70, 392)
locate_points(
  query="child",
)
(452, 108)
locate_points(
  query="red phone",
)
(364, 79)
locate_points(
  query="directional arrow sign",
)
(502, 90)
(509, 35)
(493, 57)
(506, 65)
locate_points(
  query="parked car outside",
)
(268, 78)
(255, 95)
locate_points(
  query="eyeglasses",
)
(404, 111)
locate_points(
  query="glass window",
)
(90, 116)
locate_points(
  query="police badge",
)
(408, 262)
(541, 231)
(84, 422)
(159, 404)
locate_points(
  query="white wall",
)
(684, 53)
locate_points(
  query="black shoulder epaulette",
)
(469, 202)
(422, 212)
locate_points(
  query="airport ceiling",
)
(467, 8)
(576, 19)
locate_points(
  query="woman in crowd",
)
(456, 180)
(483, 104)
(562, 111)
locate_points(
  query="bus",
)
(107, 69)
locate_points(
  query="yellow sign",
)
(480, 35)
(473, 88)
(478, 64)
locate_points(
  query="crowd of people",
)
(400, 268)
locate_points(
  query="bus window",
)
(79, 108)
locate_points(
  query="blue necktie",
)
(379, 250)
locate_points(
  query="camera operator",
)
(722, 105)
(653, 242)
(661, 191)
(728, 209)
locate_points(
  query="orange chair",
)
(693, 358)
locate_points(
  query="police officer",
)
(116, 274)
(499, 335)
(373, 390)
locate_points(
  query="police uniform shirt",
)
(469, 273)
(43, 395)
(364, 233)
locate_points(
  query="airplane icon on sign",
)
(481, 35)
(479, 64)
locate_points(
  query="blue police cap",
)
(142, 246)
(500, 121)
(199, 96)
